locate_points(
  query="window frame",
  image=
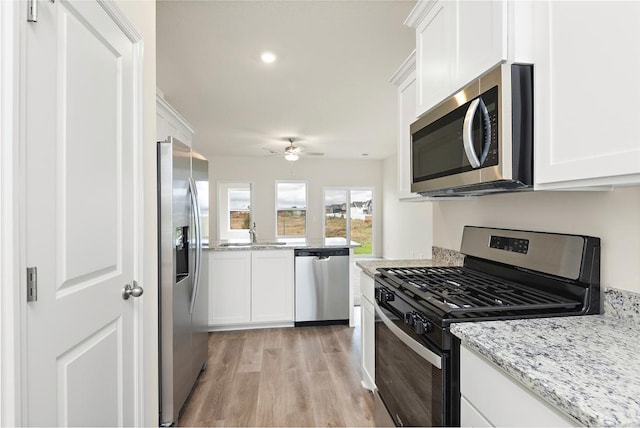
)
(223, 216)
(306, 209)
(348, 190)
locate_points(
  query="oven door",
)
(410, 376)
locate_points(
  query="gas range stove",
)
(460, 293)
(507, 274)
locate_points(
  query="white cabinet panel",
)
(456, 42)
(230, 292)
(405, 79)
(367, 286)
(481, 39)
(250, 287)
(367, 335)
(470, 416)
(434, 56)
(500, 399)
(368, 320)
(272, 286)
(169, 123)
(586, 92)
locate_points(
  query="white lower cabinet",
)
(230, 287)
(367, 335)
(271, 286)
(489, 397)
(250, 288)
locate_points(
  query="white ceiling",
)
(329, 87)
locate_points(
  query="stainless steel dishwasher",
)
(322, 286)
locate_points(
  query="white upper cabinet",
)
(481, 39)
(456, 42)
(586, 94)
(405, 80)
(434, 54)
(171, 124)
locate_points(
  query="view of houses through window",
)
(239, 209)
(291, 200)
(349, 214)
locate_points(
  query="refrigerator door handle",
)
(196, 215)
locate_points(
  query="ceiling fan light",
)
(291, 157)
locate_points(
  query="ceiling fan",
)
(291, 152)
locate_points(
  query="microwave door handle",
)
(467, 134)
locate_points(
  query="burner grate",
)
(461, 290)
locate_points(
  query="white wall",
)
(142, 14)
(406, 226)
(612, 216)
(263, 172)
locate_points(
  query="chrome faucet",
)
(252, 234)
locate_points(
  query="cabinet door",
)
(586, 93)
(434, 49)
(481, 39)
(368, 319)
(230, 287)
(272, 286)
(500, 399)
(407, 111)
(470, 416)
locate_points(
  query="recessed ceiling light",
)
(268, 57)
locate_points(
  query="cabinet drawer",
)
(470, 416)
(502, 400)
(366, 286)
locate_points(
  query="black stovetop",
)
(463, 293)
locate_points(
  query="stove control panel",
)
(513, 245)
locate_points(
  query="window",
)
(234, 210)
(348, 213)
(239, 209)
(291, 208)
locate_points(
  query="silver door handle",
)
(132, 291)
(433, 358)
(196, 218)
(467, 133)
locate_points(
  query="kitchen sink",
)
(252, 244)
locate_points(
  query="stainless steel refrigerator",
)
(183, 197)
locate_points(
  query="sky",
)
(239, 199)
(292, 195)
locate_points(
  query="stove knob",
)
(422, 326)
(389, 297)
(409, 318)
(384, 296)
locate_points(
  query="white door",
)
(80, 138)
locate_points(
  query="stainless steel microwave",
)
(480, 140)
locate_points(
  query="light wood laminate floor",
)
(307, 376)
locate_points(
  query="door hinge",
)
(32, 284)
(32, 10)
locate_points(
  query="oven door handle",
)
(418, 348)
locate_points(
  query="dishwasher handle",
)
(321, 253)
(323, 258)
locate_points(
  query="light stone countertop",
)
(441, 257)
(288, 244)
(586, 366)
(370, 266)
